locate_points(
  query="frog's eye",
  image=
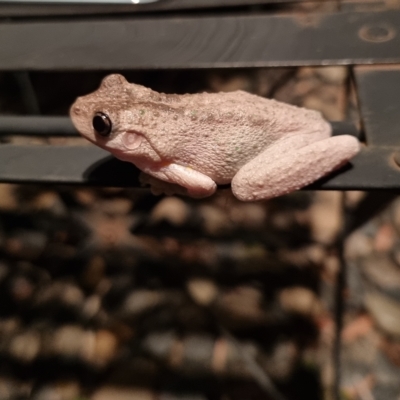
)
(102, 124)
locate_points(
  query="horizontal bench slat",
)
(24, 10)
(200, 42)
(373, 168)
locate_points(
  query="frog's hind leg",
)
(292, 164)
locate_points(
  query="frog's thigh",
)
(275, 171)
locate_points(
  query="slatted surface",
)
(371, 169)
(329, 39)
(198, 42)
(28, 10)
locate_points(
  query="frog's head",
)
(110, 119)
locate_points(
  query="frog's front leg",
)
(177, 179)
(292, 164)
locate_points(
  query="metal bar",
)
(62, 126)
(373, 168)
(36, 126)
(199, 42)
(26, 10)
(64, 164)
(110, 2)
(28, 93)
(378, 88)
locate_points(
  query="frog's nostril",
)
(76, 110)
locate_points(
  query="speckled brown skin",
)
(195, 141)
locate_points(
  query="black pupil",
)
(102, 124)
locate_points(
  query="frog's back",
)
(226, 130)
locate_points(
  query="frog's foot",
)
(159, 187)
(288, 166)
(177, 179)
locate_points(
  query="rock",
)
(202, 291)
(316, 253)
(21, 289)
(7, 389)
(360, 387)
(236, 364)
(8, 200)
(140, 301)
(64, 293)
(250, 216)
(357, 245)
(333, 75)
(25, 347)
(391, 348)
(91, 306)
(331, 104)
(105, 348)
(384, 238)
(8, 328)
(171, 209)
(160, 344)
(215, 220)
(241, 306)
(291, 92)
(85, 196)
(110, 231)
(385, 311)
(326, 216)
(26, 244)
(118, 206)
(58, 391)
(72, 341)
(49, 201)
(354, 197)
(229, 82)
(11, 389)
(357, 328)
(118, 393)
(386, 378)
(94, 272)
(281, 363)
(300, 300)
(268, 80)
(358, 358)
(380, 270)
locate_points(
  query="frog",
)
(189, 144)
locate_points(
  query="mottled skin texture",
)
(187, 144)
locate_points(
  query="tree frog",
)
(189, 144)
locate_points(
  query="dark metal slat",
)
(372, 169)
(196, 42)
(378, 89)
(25, 10)
(36, 126)
(64, 164)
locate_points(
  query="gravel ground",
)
(117, 294)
